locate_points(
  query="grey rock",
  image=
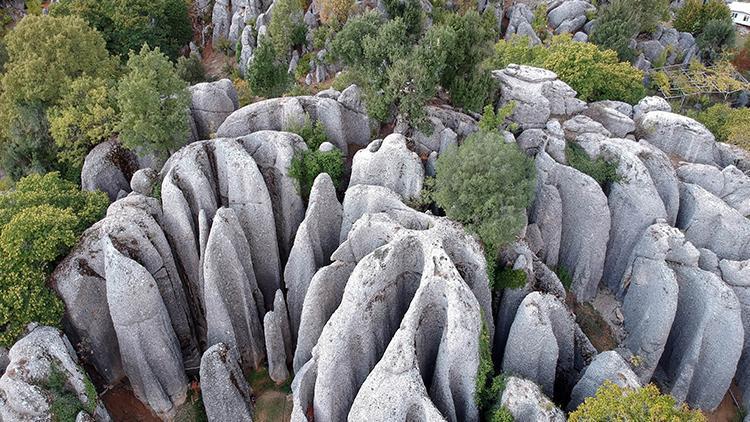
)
(706, 340)
(108, 168)
(282, 318)
(649, 104)
(210, 104)
(620, 106)
(390, 164)
(233, 301)
(708, 261)
(732, 155)
(540, 342)
(664, 176)
(527, 403)
(607, 366)
(708, 222)
(729, 184)
(149, 348)
(582, 124)
(678, 135)
(317, 238)
(570, 26)
(518, 15)
(569, 11)
(221, 22)
(580, 37)
(329, 93)
(326, 147)
(617, 123)
(737, 275)
(225, 392)
(144, 180)
(275, 348)
(651, 49)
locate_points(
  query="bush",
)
(307, 165)
(731, 125)
(508, 278)
(410, 12)
(127, 24)
(644, 404)
(717, 35)
(604, 172)
(39, 221)
(154, 103)
(86, 116)
(190, 69)
(267, 75)
(694, 15)
(335, 12)
(486, 184)
(314, 134)
(616, 26)
(284, 27)
(595, 74)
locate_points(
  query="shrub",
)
(539, 23)
(283, 29)
(410, 12)
(86, 116)
(335, 12)
(486, 184)
(595, 74)
(717, 35)
(314, 134)
(267, 74)
(644, 404)
(127, 24)
(688, 17)
(39, 221)
(153, 102)
(615, 27)
(728, 124)
(604, 172)
(491, 120)
(190, 69)
(483, 392)
(33, 7)
(508, 278)
(307, 165)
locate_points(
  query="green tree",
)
(128, 24)
(286, 25)
(38, 75)
(717, 36)
(153, 103)
(40, 220)
(86, 116)
(613, 403)
(267, 74)
(190, 69)
(486, 184)
(688, 16)
(616, 25)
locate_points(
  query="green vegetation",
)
(307, 165)
(129, 24)
(498, 121)
(190, 69)
(731, 125)
(486, 184)
(595, 74)
(267, 74)
(38, 76)
(153, 103)
(489, 388)
(565, 277)
(286, 28)
(710, 23)
(65, 404)
(601, 170)
(40, 220)
(644, 404)
(508, 278)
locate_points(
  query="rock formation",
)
(225, 393)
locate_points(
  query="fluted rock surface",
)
(527, 403)
(389, 163)
(607, 366)
(224, 390)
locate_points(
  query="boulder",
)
(649, 104)
(144, 180)
(729, 184)
(607, 366)
(527, 403)
(232, 299)
(317, 238)
(221, 22)
(678, 136)
(617, 123)
(737, 275)
(704, 346)
(108, 168)
(390, 164)
(34, 360)
(224, 390)
(275, 348)
(570, 11)
(210, 104)
(540, 343)
(582, 124)
(149, 348)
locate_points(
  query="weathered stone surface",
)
(108, 168)
(617, 123)
(225, 392)
(706, 340)
(148, 345)
(729, 184)
(664, 176)
(32, 360)
(584, 223)
(282, 316)
(233, 301)
(581, 124)
(342, 124)
(527, 403)
(143, 181)
(275, 348)
(540, 342)
(210, 104)
(221, 21)
(737, 275)
(678, 136)
(449, 127)
(650, 304)
(390, 164)
(607, 366)
(317, 238)
(569, 11)
(649, 104)
(708, 222)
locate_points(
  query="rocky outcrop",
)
(570, 206)
(678, 136)
(150, 350)
(224, 390)
(108, 168)
(665, 47)
(210, 104)
(607, 366)
(275, 345)
(526, 402)
(617, 123)
(389, 163)
(730, 184)
(342, 124)
(232, 299)
(317, 238)
(569, 16)
(704, 346)
(43, 354)
(538, 95)
(448, 127)
(540, 343)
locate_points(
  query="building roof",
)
(740, 6)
